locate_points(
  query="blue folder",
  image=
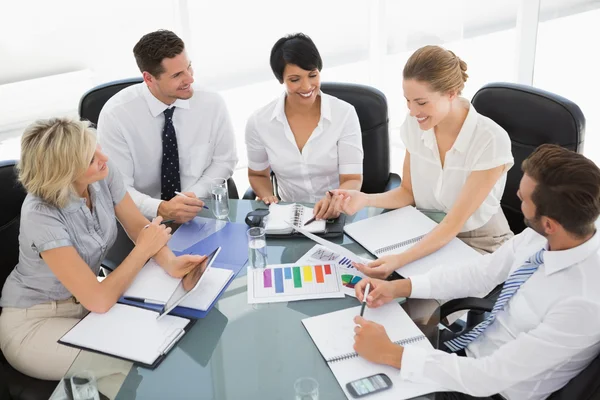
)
(233, 256)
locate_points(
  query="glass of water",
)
(83, 386)
(306, 389)
(257, 247)
(220, 198)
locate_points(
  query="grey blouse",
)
(45, 227)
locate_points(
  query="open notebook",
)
(130, 333)
(333, 335)
(281, 216)
(395, 231)
(153, 284)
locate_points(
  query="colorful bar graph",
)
(308, 273)
(319, 274)
(288, 273)
(267, 278)
(327, 269)
(297, 278)
(278, 280)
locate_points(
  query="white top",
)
(334, 148)
(130, 132)
(547, 333)
(481, 145)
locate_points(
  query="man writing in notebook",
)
(163, 137)
(545, 325)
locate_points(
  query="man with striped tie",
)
(545, 325)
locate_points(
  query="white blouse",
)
(334, 148)
(481, 145)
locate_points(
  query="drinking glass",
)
(83, 386)
(306, 389)
(257, 247)
(220, 198)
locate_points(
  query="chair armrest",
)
(467, 303)
(249, 195)
(393, 182)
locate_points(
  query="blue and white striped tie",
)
(512, 284)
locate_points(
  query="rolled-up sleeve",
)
(497, 152)
(350, 151)
(115, 184)
(43, 229)
(258, 159)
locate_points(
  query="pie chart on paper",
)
(350, 281)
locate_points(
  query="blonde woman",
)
(67, 227)
(455, 165)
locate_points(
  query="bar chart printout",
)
(290, 282)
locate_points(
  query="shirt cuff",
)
(348, 169)
(413, 363)
(421, 287)
(508, 161)
(258, 166)
(149, 207)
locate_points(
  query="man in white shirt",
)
(162, 137)
(545, 325)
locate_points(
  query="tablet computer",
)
(189, 283)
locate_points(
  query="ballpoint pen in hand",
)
(364, 302)
(314, 217)
(181, 194)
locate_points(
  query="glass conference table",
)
(244, 351)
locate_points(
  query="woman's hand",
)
(153, 237)
(326, 208)
(182, 265)
(382, 267)
(269, 200)
(350, 201)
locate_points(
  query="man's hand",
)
(181, 209)
(373, 344)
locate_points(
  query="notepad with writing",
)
(396, 231)
(333, 334)
(127, 332)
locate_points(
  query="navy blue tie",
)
(170, 179)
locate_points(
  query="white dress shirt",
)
(548, 332)
(334, 148)
(130, 132)
(481, 145)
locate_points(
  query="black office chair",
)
(585, 386)
(531, 117)
(371, 107)
(20, 386)
(93, 100)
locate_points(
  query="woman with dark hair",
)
(310, 140)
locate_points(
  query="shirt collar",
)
(555, 261)
(76, 202)
(461, 143)
(279, 110)
(157, 107)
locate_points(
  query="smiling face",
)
(428, 107)
(97, 170)
(301, 86)
(175, 82)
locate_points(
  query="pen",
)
(362, 309)
(181, 194)
(313, 218)
(139, 300)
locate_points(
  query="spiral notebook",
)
(333, 334)
(282, 216)
(396, 231)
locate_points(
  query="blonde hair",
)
(443, 70)
(54, 154)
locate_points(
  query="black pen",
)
(146, 301)
(362, 309)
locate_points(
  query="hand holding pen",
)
(325, 208)
(182, 208)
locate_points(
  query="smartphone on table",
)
(369, 385)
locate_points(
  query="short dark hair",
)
(297, 49)
(153, 47)
(568, 187)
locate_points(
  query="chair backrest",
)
(531, 117)
(371, 107)
(93, 100)
(11, 201)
